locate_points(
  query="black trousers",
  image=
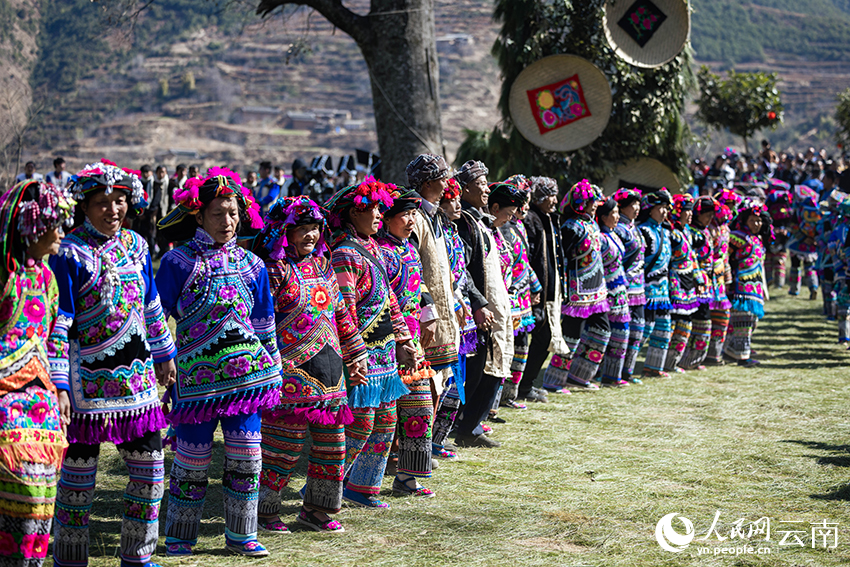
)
(538, 351)
(481, 390)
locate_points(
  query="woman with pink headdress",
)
(228, 365)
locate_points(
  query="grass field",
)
(585, 479)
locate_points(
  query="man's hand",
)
(483, 319)
(64, 409)
(428, 329)
(166, 373)
(535, 298)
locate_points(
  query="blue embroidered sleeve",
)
(169, 283)
(159, 336)
(262, 315)
(67, 272)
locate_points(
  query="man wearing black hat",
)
(474, 228)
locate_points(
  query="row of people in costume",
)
(682, 276)
(393, 315)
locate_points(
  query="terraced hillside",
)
(193, 85)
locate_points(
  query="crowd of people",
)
(385, 322)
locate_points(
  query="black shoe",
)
(496, 419)
(470, 440)
(749, 363)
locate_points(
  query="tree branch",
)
(353, 24)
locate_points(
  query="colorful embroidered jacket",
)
(802, 240)
(227, 360)
(720, 266)
(111, 328)
(30, 426)
(524, 281)
(615, 277)
(585, 292)
(683, 264)
(315, 336)
(656, 264)
(360, 266)
(634, 248)
(836, 241)
(747, 257)
(461, 282)
(704, 272)
(404, 270)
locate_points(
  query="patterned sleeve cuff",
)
(159, 335)
(59, 370)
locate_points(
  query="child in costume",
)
(746, 256)
(634, 248)
(33, 415)
(653, 216)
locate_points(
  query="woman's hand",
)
(166, 373)
(64, 410)
(357, 372)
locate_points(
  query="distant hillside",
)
(731, 31)
(207, 81)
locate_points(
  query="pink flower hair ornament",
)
(579, 197)
(106, 176)
(368, 194)
(624, 194)
(219, 182)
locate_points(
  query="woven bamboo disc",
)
(561, 103)
(644, 173)
(647, 38)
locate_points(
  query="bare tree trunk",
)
(397, 40)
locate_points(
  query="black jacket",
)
(544, 252)
(476, 246)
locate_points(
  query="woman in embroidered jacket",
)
(111, 320)
(697, 349)
(455, 393)
(608, 217)
(32, 438)
(316, 337)
(360, 266)
(228, 365)
(720, 305)
(415, 410)
(585, 309)
(683, 280)
(653, 214)
(524, 291)
(634, 247)
(746, 257)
